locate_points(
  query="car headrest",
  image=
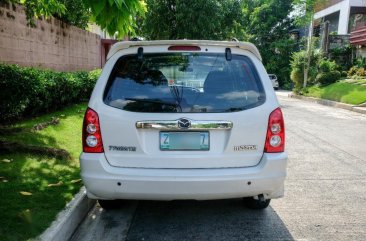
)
(218, 82)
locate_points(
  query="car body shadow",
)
(205, 220)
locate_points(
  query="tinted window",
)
(184, 82)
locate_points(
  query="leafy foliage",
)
(360, 62)
(73, 12)
(304, 10)
(326, 78)
(40, 8)
(361, 72)
(297, 68)
(76, 14)
(30, 91)
(342, 56)
(327, 65)
(358, 70)
(267, 24)
(191, 19)
(116, 16)
(328, 72)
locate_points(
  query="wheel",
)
(109, 204)
(252, 203)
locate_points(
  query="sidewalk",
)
(359, 108)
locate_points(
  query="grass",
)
(348, 91)
(51, 182)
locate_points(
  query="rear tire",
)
(252, 203)
(110, 204)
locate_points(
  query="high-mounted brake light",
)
(275, 139)
(184, 48)
(92, 136)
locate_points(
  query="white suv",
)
(184, 119)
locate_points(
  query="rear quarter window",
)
(184, 82)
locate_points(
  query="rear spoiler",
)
(228, 44)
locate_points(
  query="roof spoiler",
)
(227, 44)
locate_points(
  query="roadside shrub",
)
(297, 76)
(297, 68)
(342, 55)
(326, 78)
(288, 85)
(328, 72)
(327, 65)
(360, 62)
(361, 72)
(29, 91)
(352, 71)
(344, 74)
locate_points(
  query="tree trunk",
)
(307, 64)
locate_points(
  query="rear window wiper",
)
(154, 101)
(175, 92)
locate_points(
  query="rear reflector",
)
(275, 139)
(184, 48)
(92, 136)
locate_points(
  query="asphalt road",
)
(325, 196)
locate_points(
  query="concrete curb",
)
(68, 219)
(336, 104)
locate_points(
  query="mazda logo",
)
(184, 123)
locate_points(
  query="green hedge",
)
(327, 78)
(28, 91)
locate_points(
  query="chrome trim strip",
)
(195, 125)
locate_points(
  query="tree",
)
(191, 19)
(40, 8)
(73, 12)
(267, 24)
(116, 16)
(305, 17)
(76, 13)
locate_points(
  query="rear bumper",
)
(103, 181)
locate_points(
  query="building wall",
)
(333, 21)
(51, 44)
(344, 8)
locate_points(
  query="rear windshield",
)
(184, 82)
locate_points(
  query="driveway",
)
(325, 197)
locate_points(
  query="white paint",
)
(164, 44)
(101, 179)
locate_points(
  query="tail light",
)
(92, 136)
(275, 139)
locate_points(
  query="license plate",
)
(184, 141)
